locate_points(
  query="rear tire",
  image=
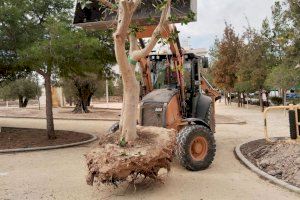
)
(196, 147)
(292, 120)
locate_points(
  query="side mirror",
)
(205, 63)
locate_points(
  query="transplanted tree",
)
(151, 156)
(126, 29)
(21, 89)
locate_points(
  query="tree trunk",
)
(261, 103)
(243, 100)
(239, 99)
(90, 99)
(127, 64)
(284, 96)
(225, 97)
(267, 97)
(23, 102)
(81, 106)
(49, 112)
(130, 91)
(20, 102)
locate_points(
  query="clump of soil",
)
(151, 151)
(280, 158)
(14, 138)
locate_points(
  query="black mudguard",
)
(197, 121)
(201, 106)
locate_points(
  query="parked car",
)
(292, 96)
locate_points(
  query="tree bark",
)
(130, 91)
(239, 99)
(267, 97)
(90, 99)
(85, 91)
(284, 96)
(130, 84)
(23, 102)
(243, 100)
(49, 112)
(81, 106)
(20, 102)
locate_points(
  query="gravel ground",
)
(60, 174)
(280, 159)
(95, 113)
(62, 113)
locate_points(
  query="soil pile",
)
(280, 158)
(150, 152)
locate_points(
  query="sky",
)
(211, 17)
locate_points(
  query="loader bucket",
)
(96, 16)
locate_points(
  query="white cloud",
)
(212, 15)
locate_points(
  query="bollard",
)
(294, 112)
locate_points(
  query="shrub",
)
(276, 100)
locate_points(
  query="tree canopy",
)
(260, 59)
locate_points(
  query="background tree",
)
(16, 32)
(284, 79)
(21, 89)
(64, 51)
(226, 66)
(22, 24)
(285, 46)
(253, 64)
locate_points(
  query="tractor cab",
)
(164, 74)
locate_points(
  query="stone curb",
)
(261, 173)
(83, 119)
(49, 147)
(98, 119)
(239, 122)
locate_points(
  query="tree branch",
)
(133, 43)
(108, 4)
(138, 54)
(41, 72)
(126, 10)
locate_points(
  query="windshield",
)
(163, 73)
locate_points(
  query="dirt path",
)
(60, 174)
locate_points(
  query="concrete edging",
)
(66, 119)
(49, 147)
(261, 173)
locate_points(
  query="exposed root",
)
(151, 151)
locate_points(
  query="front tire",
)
(196, 147)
